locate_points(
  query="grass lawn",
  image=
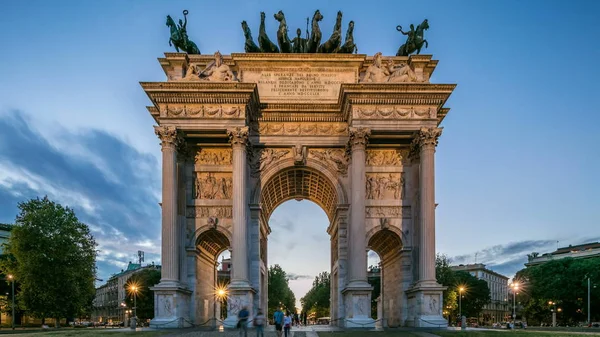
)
(500, 333)
(504, 333)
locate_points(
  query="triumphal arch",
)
(243, 133)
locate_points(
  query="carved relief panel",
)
(206, 156)
(336, 158)
(213, 185)
(260, 158)
(386, 157)
(382, 186)
(393, 112)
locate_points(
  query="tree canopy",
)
(142, 280)
(564, 282)
(280, 294)
(317, 299)
(52, 256)
(476, 292)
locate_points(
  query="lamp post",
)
(553, 313)
(460, 291)
(220, 293)
(12, 281)
(515, 287)
(134, 289)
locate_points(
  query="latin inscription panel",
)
(299, 84)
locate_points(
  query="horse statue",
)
(315, 36)
(249, 46)
(336, 37)
(285, 45)
(179, 37)
(348, 47)
(263, 40)
(415, 40)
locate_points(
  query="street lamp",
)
(134, 289)
(553, 312)
(12, 281)
(460, 291)
(515, 286)
(220, 293)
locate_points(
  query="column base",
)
(425, 303)
(357, 299)
(172, 307)
(241, 295)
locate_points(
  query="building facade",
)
(498, 309)
(583, 251)
(110, 297)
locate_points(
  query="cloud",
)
(294, 277)
(509, 258)
(111, 186)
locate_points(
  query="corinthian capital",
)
(167, 135)
(359, 137)
(428, 137)
(238, 136)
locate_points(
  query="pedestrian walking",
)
(278, 319)
(287, 324)
(243, 322)
(259, 323)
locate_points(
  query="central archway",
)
(314, 182)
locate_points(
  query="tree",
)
(317, 299)
(445, 276)
(561, 281)
(280, 294)
(475, 295)
(53, 257)
(142, 280)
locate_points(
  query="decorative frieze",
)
(387, 212)
(336, 158)
(386, 157)
(261, 158)
(213, 185)
(213, 156)
(301, 129)
(221, 212)
(392, 112)
(203, 111)
(385, 186)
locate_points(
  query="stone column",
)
(241, 293)
(357, 294)
(239, 140)
(425, 300)
(170, 234)
(358, 257)
(427, 140)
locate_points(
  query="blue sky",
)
(516, 166)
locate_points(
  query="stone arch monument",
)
(241, 134)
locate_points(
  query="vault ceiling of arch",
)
(385, 242)
(213, 241)
(299, 183)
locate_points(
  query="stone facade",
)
(324, 127)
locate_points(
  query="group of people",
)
(283, 322)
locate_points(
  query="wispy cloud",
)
(292, 276)
(111, 186)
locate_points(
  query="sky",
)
(516, 166)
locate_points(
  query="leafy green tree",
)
(475, 295)
(562, 281)
(142, 280)
(445, 276)
(280, 294)
(317, 299)
(53, 257)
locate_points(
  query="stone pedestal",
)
(425, 307)
(358, 307)
(171, 307)
(238, 297)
